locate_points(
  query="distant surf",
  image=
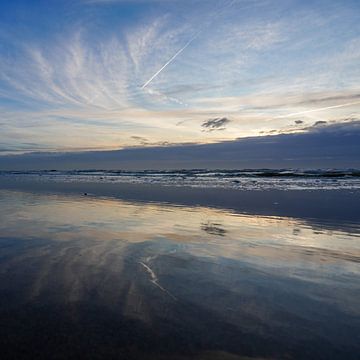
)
(247, 179)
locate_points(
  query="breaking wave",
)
(247, 179)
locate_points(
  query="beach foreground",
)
(329, 206)
(150, 272)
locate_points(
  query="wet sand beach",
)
(148, 272)
(312, 204)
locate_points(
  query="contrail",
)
(231, 3)
(315, 110)
(171, 60)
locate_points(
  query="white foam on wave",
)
(263, 179)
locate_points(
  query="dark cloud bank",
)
(326, 146)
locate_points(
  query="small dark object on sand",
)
(85, 194)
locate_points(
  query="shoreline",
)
(324, 205)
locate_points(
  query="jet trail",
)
(170, 61)
(315, 110)
(231, 3)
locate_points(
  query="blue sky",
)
(73, 72)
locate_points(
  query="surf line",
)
(155, 280)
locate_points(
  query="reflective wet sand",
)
(93, 277)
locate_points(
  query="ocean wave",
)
(198, 173)
(247, 179)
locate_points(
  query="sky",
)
(96, 75)
(319, 147)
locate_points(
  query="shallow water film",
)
(101, 278)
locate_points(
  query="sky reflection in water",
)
(103, 278)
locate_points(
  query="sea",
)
(248, 179)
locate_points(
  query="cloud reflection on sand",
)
(186, 279)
